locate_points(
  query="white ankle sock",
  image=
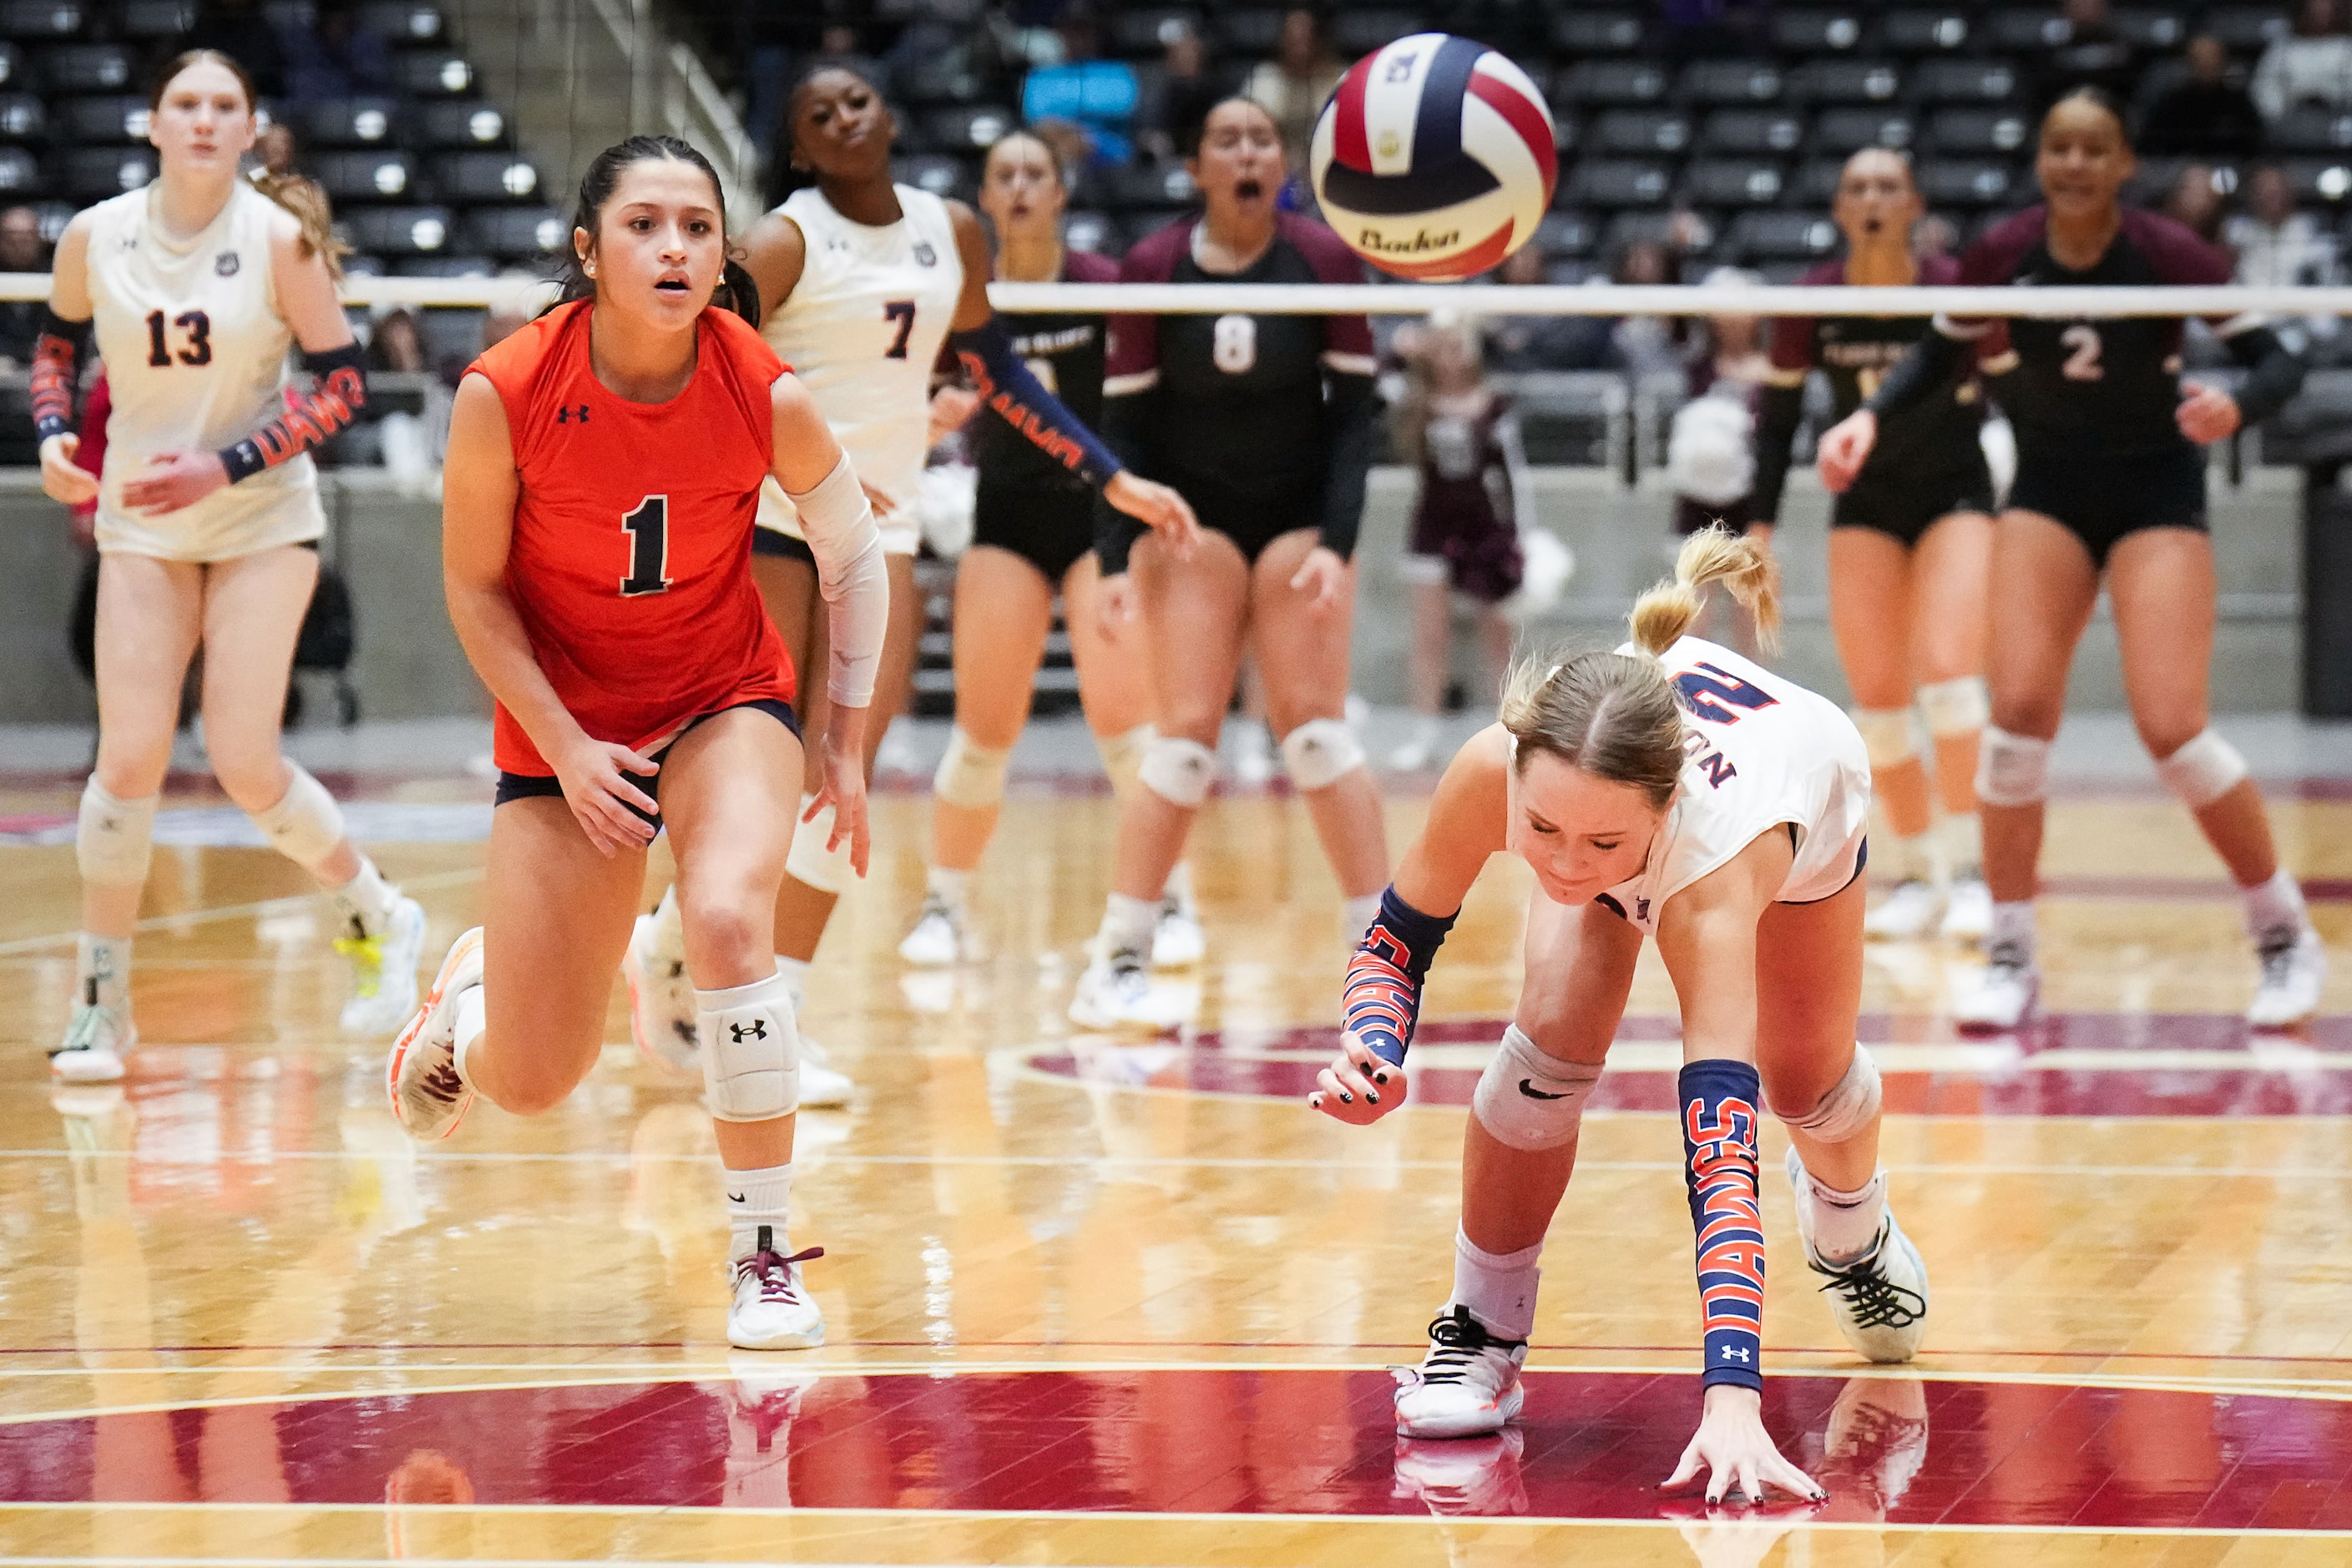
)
(949, 886)
(367, 898)
(1127, 925)
(755, 1198)
(1179, 886)
(472, 1019)
(795, 972)
(1961, 840)
(1845, 1224)
(1499, 1289)
(2012, 925)
(2275, 905)
(102, 972)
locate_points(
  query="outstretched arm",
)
(57, 355)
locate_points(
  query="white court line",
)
(229, 911)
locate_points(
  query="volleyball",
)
(1434, 158)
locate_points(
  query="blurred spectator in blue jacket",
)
(337, 56)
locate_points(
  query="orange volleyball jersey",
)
(631, 561)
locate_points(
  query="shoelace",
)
(1878, 1302)
(81, 1035)
(1457, 1339)
(775, 1272)
(2277, 956)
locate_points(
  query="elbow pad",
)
(57, 360)
(338, 393)
(1012, 393)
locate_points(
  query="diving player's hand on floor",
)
(1322, 577)
(62, 479)
(1358, 1088)
(592, 773)
(2206, 415)
(1157, 507)
(1845, 447)
(843, 753)
(1738, 1454)
(173, 480)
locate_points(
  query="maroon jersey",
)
(1937, 434)
(2107, 384)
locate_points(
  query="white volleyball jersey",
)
(194, 351)
(1760, 751)
(861, 331)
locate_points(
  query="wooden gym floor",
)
(1094, 1302)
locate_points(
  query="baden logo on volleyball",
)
(1435, 158)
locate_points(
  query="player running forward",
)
(604, 465)
(1265, 424)
(1910, 544)
(2110, 485)
(1671, 789)
(861, 280)
(195, 286)
(1034, 534)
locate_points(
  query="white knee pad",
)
(826, 870)
(1955, 707)
(1848, 1109)
(2011, 770)
(1321, 753)
(2203, 771)
(113, 837)
(750, 1050)
(306, 825)
(1177, 770)
(1122, 757)
(1886, 735)
(970, 775)
(1529, 1100)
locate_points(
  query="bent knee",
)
(729, 932)
(1566, 1033)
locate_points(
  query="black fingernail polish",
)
(1380, 1078)
(1347, 1099)
(1372, 1094)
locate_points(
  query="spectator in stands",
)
(21, 249)
(2204, 115)
(1710, 454)
(1692, 28)
(1096, 95)
(2195, 202)
(2311, 65)
(1646, 345)
(396, 343)
(1542, 342)
(1178, 95)
(2094, 54)
(337, 55)
(238, 29)
(2277, 246)
(1293, 85)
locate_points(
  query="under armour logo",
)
(1640, 906)
(1528, 1087)
(757, 1030)
(1738, 1353)
(563, 414)
(925, 254)
(225, 264)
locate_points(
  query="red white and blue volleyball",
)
(1435, 158)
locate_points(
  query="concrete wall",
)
(410, 666)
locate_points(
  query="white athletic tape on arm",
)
(838, 525)
(1321, 753)
(1955, 707)
(1886, 735)
(1177, 770)
(2011, 770)
(306, 825)
(969, 775)
(1122, 757)
(1528, 1101)
(113, 838)
(750, 1050)
(826, 870)
(2203, 771)
(1848, 1109)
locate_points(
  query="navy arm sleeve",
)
(1012, 393)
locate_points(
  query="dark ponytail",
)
(736, 291)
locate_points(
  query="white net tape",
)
(1470, 299)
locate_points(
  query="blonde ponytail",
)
(308, 202)
(1744, 568)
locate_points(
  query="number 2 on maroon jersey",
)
(903, 312)
(648, 532)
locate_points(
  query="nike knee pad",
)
(306, 825)
(970, 775)
(113, 837)
(2011, 770)
(750, 1050)
(1321, 753)
(1886, 735)
(1530, 1101)
(809, 862)
(1955, 707)
(1122, 757)
(1177, 770)
(1848, 1109)
(2203, 771)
